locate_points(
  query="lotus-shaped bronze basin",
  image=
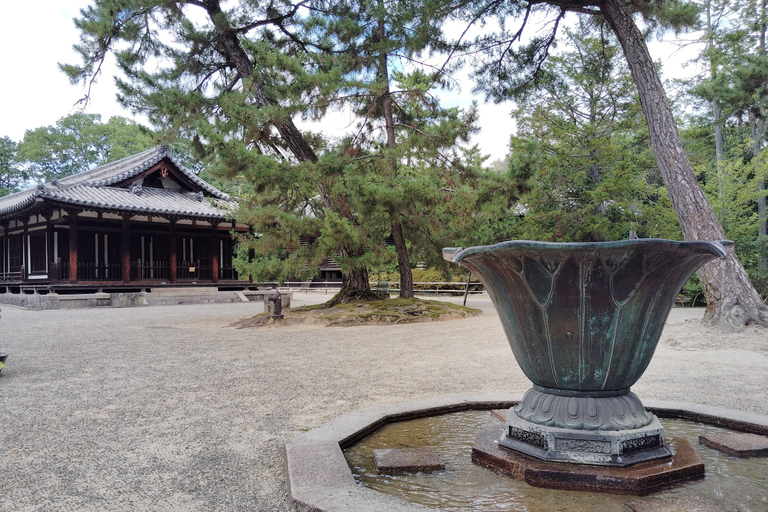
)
(583, 321)
(585, 316)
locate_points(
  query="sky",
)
(37, 34)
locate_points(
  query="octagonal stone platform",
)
(320, 480)
(639, 479)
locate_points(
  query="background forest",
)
(404, 182)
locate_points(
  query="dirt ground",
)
(171, 408)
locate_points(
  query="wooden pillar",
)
(172, 257)
(215, 252)
(26, 258)
(72, 246)
(125, 248)
(50, 257)
(4, 252)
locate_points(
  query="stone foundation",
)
(638, 479)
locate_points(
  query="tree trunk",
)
(762, 218)
(401, 248)
(732, 301)
(403, 261)
(355, 286)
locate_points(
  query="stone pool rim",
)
(320, 480)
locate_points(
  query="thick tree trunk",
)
(355, 285)
(732, 301)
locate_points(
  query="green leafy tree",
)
(78, 142)
(737, 89)
(582, 148)
(12, 175)
(407, 142)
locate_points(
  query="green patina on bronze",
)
(585, 318)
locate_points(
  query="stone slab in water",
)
(684, 504)
(740, 445)
(640, 478)
(500, 413)
(403, 460)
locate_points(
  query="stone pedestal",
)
(600, 430)
(638, 479)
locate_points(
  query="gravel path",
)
(170, 408)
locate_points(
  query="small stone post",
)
(277, 311)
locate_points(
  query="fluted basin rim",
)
(456, 254)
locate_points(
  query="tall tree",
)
(582, 147)
(78, 142)
(731, 299)
(401, 124)
(234, 78)
(12, 175)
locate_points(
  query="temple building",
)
(142, 220)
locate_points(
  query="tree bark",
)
(401, 248)
(732, 301)
(403, 261)
(355, 286)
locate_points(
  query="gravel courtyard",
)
(170, 408)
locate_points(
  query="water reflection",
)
(732, 483)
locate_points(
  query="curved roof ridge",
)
(126, 168)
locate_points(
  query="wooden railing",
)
(98, 271)
(13, 275)
(228, 273)
(439, 286)
(149, 271)
(193, 271)
(59, 271)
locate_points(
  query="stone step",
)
(201, 296)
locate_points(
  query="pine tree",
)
(510, 67)
(232, 81)
(582, 147)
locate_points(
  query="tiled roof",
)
(92, 189)
(150, 201)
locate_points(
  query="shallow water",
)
(734, 484)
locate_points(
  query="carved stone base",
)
(583, 411)
(638, 479)
(604, 431)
